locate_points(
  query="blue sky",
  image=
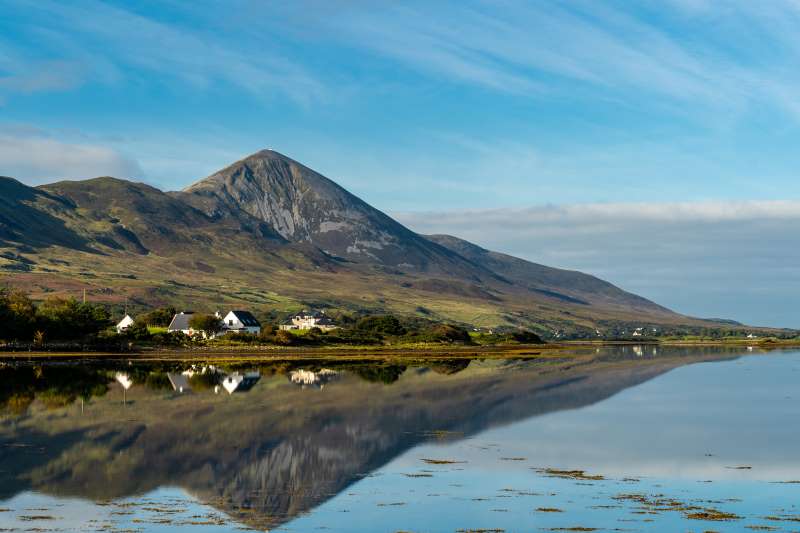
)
(419, 106)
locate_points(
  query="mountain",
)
(141, 218)
(21, 222)
(305, 207)
(270, 234)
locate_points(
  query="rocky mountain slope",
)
(302, 206)
(270, 234)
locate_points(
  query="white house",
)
(241, 322)
(180, 322)
(124, 324)
(307, 320)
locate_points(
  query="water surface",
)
(628, 438)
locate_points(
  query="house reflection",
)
(179, 382)
(124, 379)
(316, 379)
(237, 382)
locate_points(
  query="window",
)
(230, 322)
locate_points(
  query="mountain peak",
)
(267, 154)
(302, 205)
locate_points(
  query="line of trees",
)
(54, 319)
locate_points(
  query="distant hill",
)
(270, 234)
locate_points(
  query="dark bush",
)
(285, 338)
(381, 325)
(445, 333)
(138, 332)
(526, 337)
(160, 317)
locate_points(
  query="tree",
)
(137, 331)
(17, 315)
(208, 324)
(284, 338)
(160, 317)
(381, 324)
(67, 319)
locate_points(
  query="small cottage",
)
(124, 324)
(180, 322)
(241, 322)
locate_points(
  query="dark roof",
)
(247, 318)
(180, 322)
(315, 314)
(247, 383)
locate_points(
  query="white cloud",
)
(583, 48)
(735, 260)
(110, 43)
(37, 159)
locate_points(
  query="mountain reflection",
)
(292, 436)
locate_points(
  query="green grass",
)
(155, 330)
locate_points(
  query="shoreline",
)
(277, 353)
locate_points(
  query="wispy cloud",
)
(34, 157)
(111, 43)
(726, 259)
(733, 56)
(606, 50)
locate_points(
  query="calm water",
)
(625, 439)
